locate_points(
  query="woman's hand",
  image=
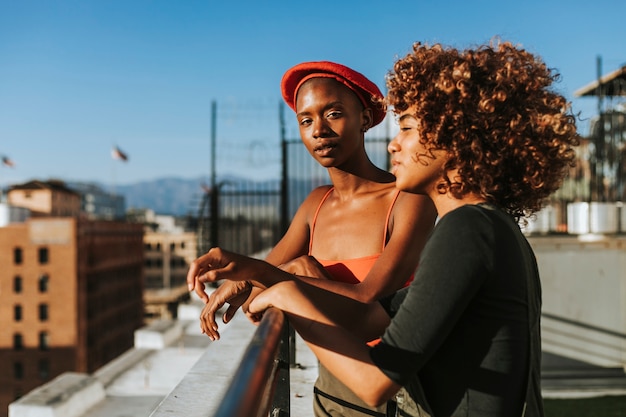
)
(235, 293)
(306, 266)
(218, 264)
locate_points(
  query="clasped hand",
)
(218, 264)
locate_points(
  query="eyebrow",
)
(406, 116)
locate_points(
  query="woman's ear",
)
(367, 117)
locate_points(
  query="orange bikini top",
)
(352, 270)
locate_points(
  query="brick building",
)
(169, 250)
(71, 292)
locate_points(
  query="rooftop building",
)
(71, 297)
(45, 198)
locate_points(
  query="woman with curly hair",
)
(484, 136)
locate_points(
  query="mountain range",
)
(175, 196)
(180, 196)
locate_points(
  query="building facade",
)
(169, 250)
(96, 203)
(45, 198)
(72, 296)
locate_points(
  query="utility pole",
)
(600, 140)
(284, 185)
(214, 236)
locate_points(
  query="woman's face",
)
(331, 120)
(417, 169)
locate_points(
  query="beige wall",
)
(168, 257)
(46, 201)
(584, 297)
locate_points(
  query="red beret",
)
(355, 81)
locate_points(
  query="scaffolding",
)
(606, 143)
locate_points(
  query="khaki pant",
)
(333, 399)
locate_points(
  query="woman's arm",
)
(323, 318)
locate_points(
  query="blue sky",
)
(78, 77)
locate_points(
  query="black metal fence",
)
(251, 216)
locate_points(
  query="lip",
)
(394, 166)
(324, 148)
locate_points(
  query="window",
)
(17, 256)
(18, 370)
(43, 283)
(18, 341)
(43, 312)
(17, 284)
(17, 312)
(43, 255)
(44, 369)
(172, 247)
(43, 340)
(17, 394)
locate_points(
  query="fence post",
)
(281, 404)
(289, 338)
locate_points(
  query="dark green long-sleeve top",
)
(467, 328)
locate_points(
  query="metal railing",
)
(260, 386)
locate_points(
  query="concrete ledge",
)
(158, 335)
(112, 370)
(68, 395)
(201, 390)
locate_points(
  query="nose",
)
(320, 128)
(393, 146)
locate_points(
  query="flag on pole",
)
(116, 153)
(6, 161)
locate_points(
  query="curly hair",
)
(491, 109)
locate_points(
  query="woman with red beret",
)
(340, 230)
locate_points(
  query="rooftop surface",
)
(189, 376)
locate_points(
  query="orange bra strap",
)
(315, 218)
(393, 202)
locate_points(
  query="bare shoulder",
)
(311, 202)
(414, 214)
(410, 201)
(316, 195)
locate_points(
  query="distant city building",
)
(72, 290)
(97, 203)
(58, 198)
(167, 258)
(45, 198)
(169, 250)
(12, 214)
